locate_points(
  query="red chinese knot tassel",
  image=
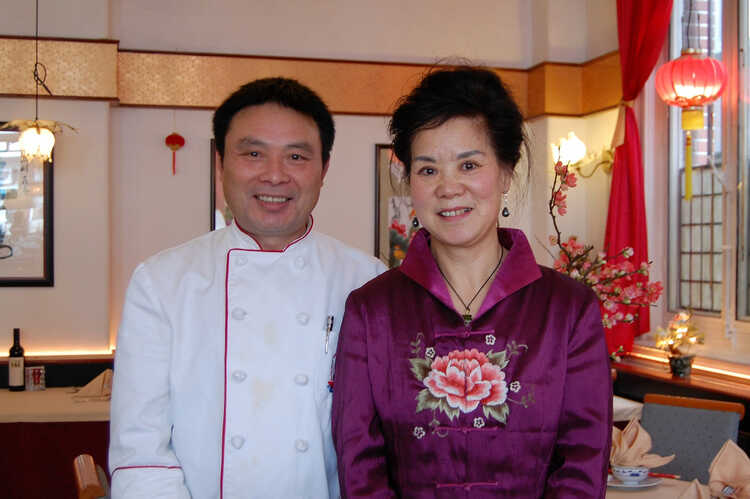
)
(174, 141)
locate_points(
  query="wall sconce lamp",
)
(571, 151)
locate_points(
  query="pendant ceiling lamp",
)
(690, 82)
(37, 136)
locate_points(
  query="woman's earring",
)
(506, 211)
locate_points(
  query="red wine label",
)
(15, 371)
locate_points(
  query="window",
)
(710, 235)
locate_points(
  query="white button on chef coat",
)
(299, 262)
(301, 379)
(301, 445)
(239, 376)
(303, 318)
(237, 441)
(238, 313)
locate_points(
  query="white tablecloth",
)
(47, 406)
(667, 489)
(625, 409)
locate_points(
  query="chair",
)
(693, 429)
(91, 481)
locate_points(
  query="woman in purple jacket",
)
(470, 370)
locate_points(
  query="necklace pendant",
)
(467, 319)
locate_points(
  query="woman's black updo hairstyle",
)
(459, 92)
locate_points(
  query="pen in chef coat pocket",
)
(329, 329)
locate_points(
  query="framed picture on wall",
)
(220, 214)
(26, 257)
(395, 221)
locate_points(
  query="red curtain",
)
(642, 27)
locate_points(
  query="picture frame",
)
(395, 221)
(26, 216)
(219, 213)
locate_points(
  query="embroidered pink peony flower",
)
(466, 379)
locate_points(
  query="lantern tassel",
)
(174, 169)
(688, 166)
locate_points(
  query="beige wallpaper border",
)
(98, 69)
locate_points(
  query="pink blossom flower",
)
(560, 168)
(570, 180)
(466, 379)
(400, 228)
(559, 201)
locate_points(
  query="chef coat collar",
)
(248, 241)
(518, 269)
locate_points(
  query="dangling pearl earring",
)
(506, 211)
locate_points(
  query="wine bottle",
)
(16, 378)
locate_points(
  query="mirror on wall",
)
(25, 216)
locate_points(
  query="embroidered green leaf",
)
(500, 359)
(497, 412)
(425, 400)
(451, 412)
(420, 368)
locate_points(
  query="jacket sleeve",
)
(581, 453)
(357, 432)
(141, 459)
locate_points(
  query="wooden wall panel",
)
(97, 70)
(602, 83)
(81, 69)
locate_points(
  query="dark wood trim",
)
(701, 381)
(62, 39)
(571, 64)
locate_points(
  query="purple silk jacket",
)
(516, 404)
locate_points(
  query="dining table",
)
(667, 488)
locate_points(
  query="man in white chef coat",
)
(223, 368)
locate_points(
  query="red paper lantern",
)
(174, 141)
(690, 81)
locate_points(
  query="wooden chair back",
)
(695, 403)
(90, 479)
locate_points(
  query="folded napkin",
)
(694, 491)
(99, 388)
(630, 447)
(730, 472)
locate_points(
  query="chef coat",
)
(222, 368)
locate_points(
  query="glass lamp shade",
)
(569, 151)
(37, 143)
(690, 80)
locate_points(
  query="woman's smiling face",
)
(457, 182)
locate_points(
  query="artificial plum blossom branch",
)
(621, 287)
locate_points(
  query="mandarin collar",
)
(247, 241)
(518, 269)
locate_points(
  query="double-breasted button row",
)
(238, 313)
(237, 441)
(238, 375)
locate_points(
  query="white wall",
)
(72, 315)
(423, 31)
(571, 30)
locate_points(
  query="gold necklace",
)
(467, 316)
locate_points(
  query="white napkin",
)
(630, 447)
(730, 472)
(694, 491)
(99, 388)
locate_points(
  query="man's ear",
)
(325, 170)
(219, 164)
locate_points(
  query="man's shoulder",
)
(196, 251)
(339, 252)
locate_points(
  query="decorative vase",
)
(680, 365)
